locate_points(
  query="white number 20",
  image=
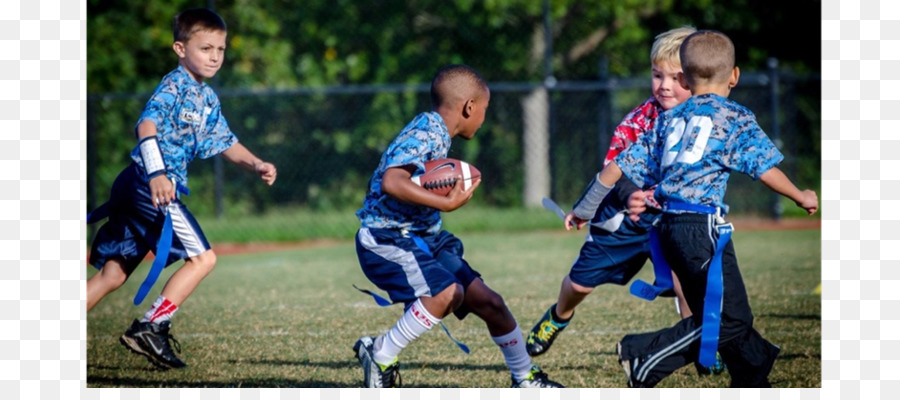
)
(703, 125)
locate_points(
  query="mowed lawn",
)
(289, 318)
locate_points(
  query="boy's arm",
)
(397, 184)
(593, 195)
(779, 183)
(162, 191)
(239, 155)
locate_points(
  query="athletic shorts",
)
(397, 265)
(613, 257)
(134, 225)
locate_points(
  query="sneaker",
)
(375, 375)
(535, 379)
(629, 367)
(543, 334)
(717, 369)
(151, 340)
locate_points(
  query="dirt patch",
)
(740, 224)
(756, 224)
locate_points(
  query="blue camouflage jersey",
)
(189, 123)
(694, 148)
(425, 138)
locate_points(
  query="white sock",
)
(414, 322)
(513, 347)
(161, 310)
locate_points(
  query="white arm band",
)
(151, 155)
(590, 200)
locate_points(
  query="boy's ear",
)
(468, 108)
(178, 47)
(735, 77)
(682, 80)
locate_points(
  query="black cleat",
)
(543, 334)
(151, 340)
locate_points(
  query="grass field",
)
(289, 318)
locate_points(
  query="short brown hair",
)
(707, 56)
(196, 19)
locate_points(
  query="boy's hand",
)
(162, 191)
(637, 203)
(809, 201)
(458, 196)
(571, 220)
(267, 172)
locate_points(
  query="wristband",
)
(587, 205)
(151, 155)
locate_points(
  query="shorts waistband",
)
(685, 218)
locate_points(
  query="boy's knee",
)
(453, 296)
(490, 302)
(206, 261)
(113, 274)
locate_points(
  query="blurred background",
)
(320, 88)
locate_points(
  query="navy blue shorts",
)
(134, 225)
(396, 264)
(613, 257)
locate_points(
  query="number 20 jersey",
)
(694, 148)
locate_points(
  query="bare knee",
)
(112, 275)
(204, 262)
(443, 303)
(576, 288)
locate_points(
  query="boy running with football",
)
(617, 247)
(403, 249)
(182, 121)
(690, 155)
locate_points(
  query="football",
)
(441, 175)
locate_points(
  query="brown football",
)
(441, 175)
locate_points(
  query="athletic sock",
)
(414, 322)
(513, 347)
(557, 319)
(161, 310)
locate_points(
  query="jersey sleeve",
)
(639, 162)
(216, 136)
(632, 127)
(418, 142)
(751, 151)
(160, 106)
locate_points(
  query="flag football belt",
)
(163, 245)
(712, 301)
(381, 301)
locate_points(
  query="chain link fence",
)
(538, 140)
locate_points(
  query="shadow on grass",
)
(170, 383)
(810, 317)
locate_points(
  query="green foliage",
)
(326, 145)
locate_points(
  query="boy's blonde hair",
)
(667, 44)
(708, 57)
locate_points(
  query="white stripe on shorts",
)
(182, 228)
(406, 260)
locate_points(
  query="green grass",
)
(289, 318)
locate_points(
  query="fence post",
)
(777, 209)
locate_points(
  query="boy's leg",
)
(111, 277)
(150, 336)
(604, 258)
(394, 263)
(505, 332)
(183, 282)
(649, 357)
